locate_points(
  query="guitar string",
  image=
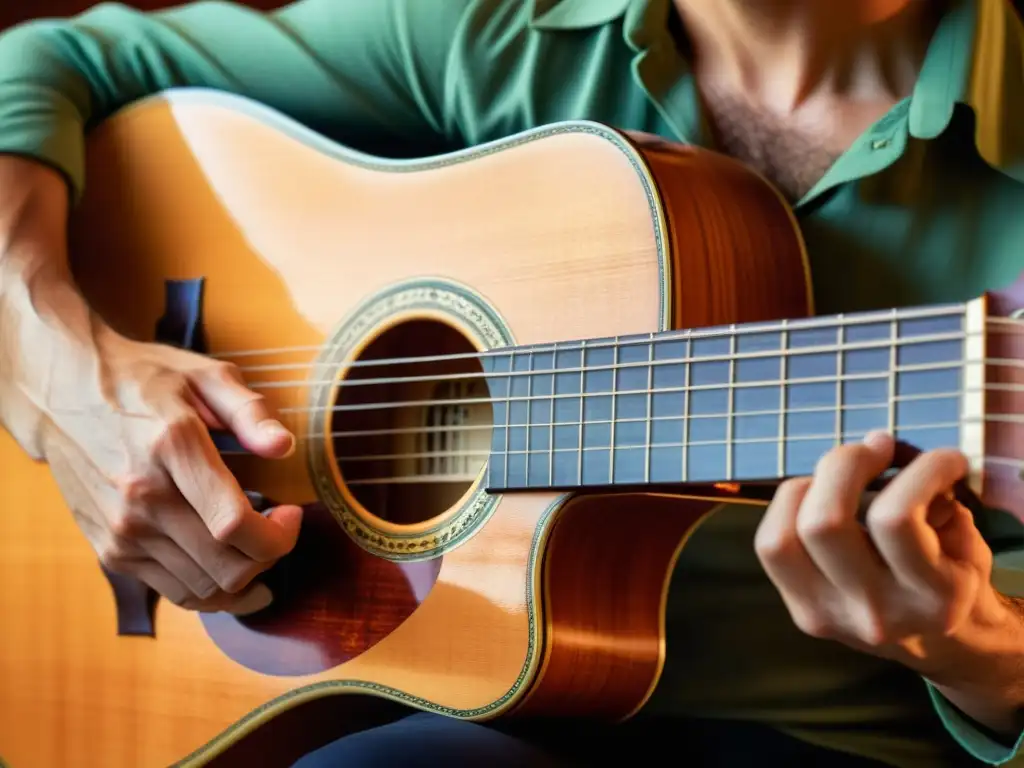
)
(854, 434)
(500, 376)
(725, 331)
(760, 354)
(1002, 461)
(766, 354)
(689, 335)
(1004, 418)
(620, 393)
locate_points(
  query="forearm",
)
(37, 292)
(34, 274)
(990, 690)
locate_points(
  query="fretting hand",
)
(911, 583)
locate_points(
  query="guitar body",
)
(427, 593)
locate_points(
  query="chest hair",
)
(794, 155)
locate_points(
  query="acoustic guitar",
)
(520, 376)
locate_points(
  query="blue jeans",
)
(422, 740)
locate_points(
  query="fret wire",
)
(839, 386)
(551, 426)
(650, 411)
(583, 389)
(615, 384)
(891, 411)
(687, 395)
(508, 415)
(783, 372)
(730, 398)
(529, 418)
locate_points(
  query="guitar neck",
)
(744, 403)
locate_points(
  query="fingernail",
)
(275, 429)
(256, 599)
(876, 435)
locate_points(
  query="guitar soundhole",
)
(412, 435)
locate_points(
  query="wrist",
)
(983, 673)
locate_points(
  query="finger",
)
(828, 522)
(898, 518)
(209, 417)
(173, 589)
(959, 538)
(221, 566)
(242, 411)
(180, 564)
(193, 463)
(784, 559)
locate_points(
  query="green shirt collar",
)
(976, 58)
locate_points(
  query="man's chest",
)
(792, 160)
(794, 151)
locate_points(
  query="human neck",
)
(783, 53)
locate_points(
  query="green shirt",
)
(926, 206)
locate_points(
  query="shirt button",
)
(879, 143)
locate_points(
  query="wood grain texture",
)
(289, 240)
(605, 602)
(1003, 485)
(333, 601)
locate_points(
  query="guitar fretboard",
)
(741, 403)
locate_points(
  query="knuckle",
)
(113, 555)
(948, 459)
(226, 371)
(128, 523)
(207, 590)
(237, 580)
(230, 571)
(227, 522)
(177, 432)
(135, 489)
(873, 632)
(814, 624)
(183, 597)
(187, 602)
(870, 623)
(841, 456)
(887, 518)
(820, 526)
(772, 545)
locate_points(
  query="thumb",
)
(243, 412)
